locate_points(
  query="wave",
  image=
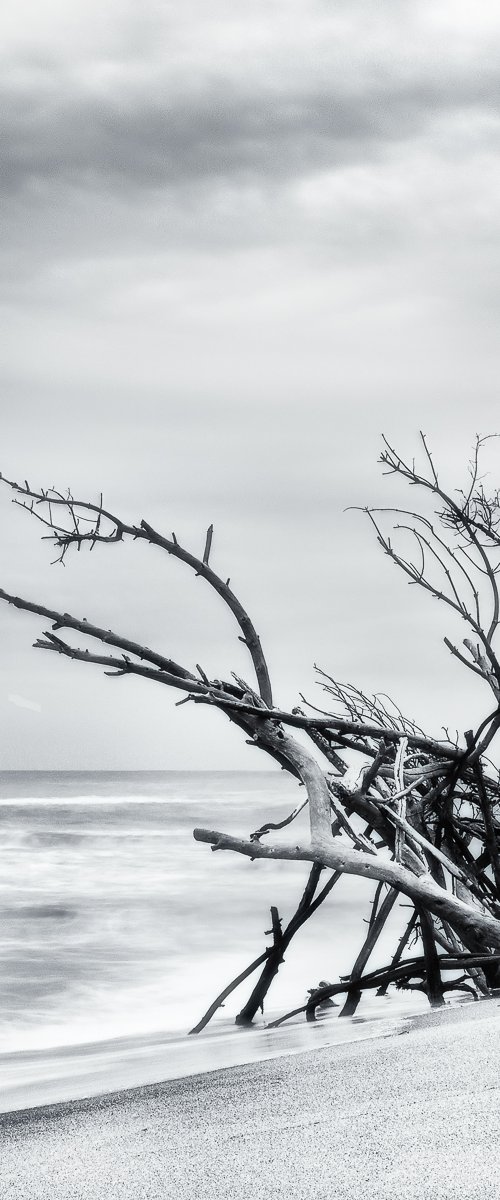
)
(85, 799)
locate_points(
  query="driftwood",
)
(423, 816)
(383, 976)
(305, 910)
(434, 985)
(375, 928)
(273, 955)
(231, 987)
(402, 944)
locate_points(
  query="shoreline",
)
(411, 1116)
(49, 1075)
(71, 1074)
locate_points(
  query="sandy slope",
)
(413, 1115)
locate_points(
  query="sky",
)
(238, 244)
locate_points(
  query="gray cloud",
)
(218, 132)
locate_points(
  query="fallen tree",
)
(422, 818)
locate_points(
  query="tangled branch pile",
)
(422, 816)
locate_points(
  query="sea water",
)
(115, 924)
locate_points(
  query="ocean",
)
(115, 924)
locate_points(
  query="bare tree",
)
(422, 818)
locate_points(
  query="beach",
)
(413, 1113)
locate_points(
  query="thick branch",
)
(338, 857)
(432, 964)
(489, 825)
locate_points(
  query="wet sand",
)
(413, 1114)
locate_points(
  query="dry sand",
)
(414, 1116)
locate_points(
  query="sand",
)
(414, 1115)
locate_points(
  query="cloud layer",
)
(57, 130)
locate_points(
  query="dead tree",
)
(423, 815)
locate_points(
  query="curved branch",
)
(255, 837)
(65, 538)
(250, 636)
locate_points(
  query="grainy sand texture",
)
(414, 1116)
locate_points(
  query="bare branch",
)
(64, 538)
(66, 621)
(255, 837)
(208, 544)
(333, 725)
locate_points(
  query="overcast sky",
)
(239, 242)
